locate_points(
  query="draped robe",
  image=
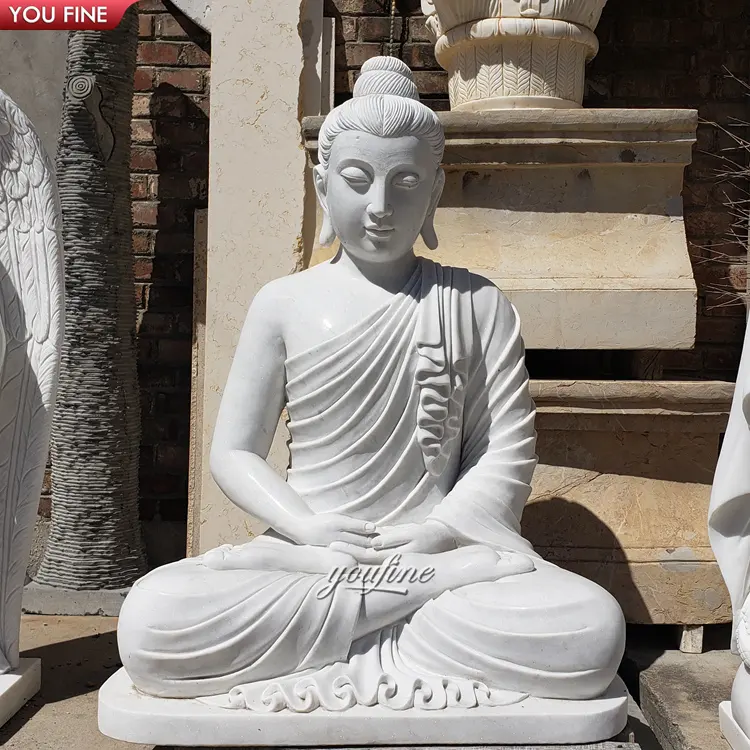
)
(420, 410)
(729, 509)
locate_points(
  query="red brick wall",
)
(669, 53)
(169, 182)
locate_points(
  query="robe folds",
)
(420, 410)
(729, 509)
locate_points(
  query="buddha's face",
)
(378, 192)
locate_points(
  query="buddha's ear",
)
(429, 236)
(327, 235)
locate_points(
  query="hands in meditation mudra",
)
(394, 572)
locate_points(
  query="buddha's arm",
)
(498, 445)
(249, 414)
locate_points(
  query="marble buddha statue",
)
(393, 573)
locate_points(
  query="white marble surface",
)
(729, 532)
(128, 715)
(19, 686)
(731, 729)
(31, 314)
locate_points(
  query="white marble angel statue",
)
(729, 533)
(394, 573)
(31, 327)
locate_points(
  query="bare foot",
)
(477, 563)
(263, 554)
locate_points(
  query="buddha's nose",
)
(380, 206)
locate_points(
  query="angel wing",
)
(31, 321)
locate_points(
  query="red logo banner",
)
(62, 15)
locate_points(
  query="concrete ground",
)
(680, 694)
(78, 654)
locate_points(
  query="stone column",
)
(256, 209)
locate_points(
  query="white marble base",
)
(128, 715)
(18, 687)
(731, 729)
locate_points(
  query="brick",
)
(138, 186)
(143, 241)
(141, 131)
(141, 105)
(168, 102)
(431, 82)
(143, 159)
(354, 55)
(143, 80)
(145, 26)
(143, 268)
(377, 28)
(182, 133)
(685, 87)
(737, 277)
(418, 30)
(719, 330)
(649, 84)
(362, 7)
(145, 213)
(725, 304)
(420, 56)
(724, 359)
(159, 53)
(349, 29)
(645, 32)
(197, 106)
(723, 9)
(689, 361)
(708, 223)
(192, 55)
(169, 297)
(175, 243)
(167, 27)
(181, 78)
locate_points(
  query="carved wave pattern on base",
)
(376, 675)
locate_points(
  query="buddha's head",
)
(379, 178)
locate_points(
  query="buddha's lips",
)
(379, 231)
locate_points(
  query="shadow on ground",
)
(69, 669)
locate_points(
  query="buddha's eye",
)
(356, 176)
(406, 180)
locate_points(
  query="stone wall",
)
(666, 54)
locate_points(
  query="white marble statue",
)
(729, 532)
(31, 326)
(394, 574)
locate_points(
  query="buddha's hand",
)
(429, 537)
(325, 529)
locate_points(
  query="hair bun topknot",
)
(386, 75)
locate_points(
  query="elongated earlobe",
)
(327, 234)
(429, 236)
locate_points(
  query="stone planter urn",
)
(503, 54)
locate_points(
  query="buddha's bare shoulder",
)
(277, 298)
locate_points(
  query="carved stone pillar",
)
(514, 53)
